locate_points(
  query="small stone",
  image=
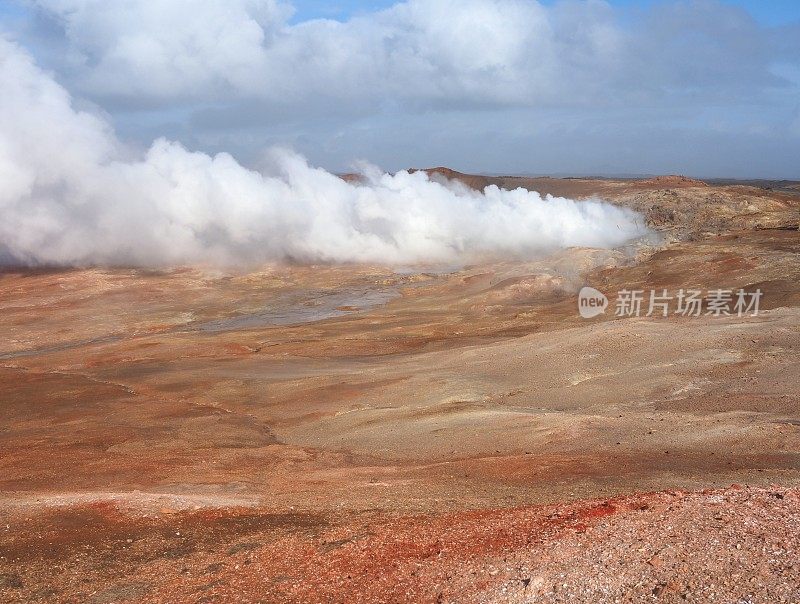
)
(10, 580)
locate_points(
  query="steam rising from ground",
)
(72, 194)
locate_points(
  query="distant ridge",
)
(474, 181)
(671, 182)
(584, 186)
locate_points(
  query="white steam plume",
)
(70, 194)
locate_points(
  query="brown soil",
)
(734, 545)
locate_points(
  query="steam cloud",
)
(72, 194)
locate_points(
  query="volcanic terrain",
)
(414, 434)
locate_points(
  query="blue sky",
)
(340, 10)
(699, 87)
(768, 12)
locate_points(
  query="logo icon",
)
(591, 302)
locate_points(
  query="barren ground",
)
(369, 434)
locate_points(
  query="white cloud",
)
(167, 48)
(71, 194)
(602, 89)
(463, 51)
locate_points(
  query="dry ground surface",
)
(415, 434)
